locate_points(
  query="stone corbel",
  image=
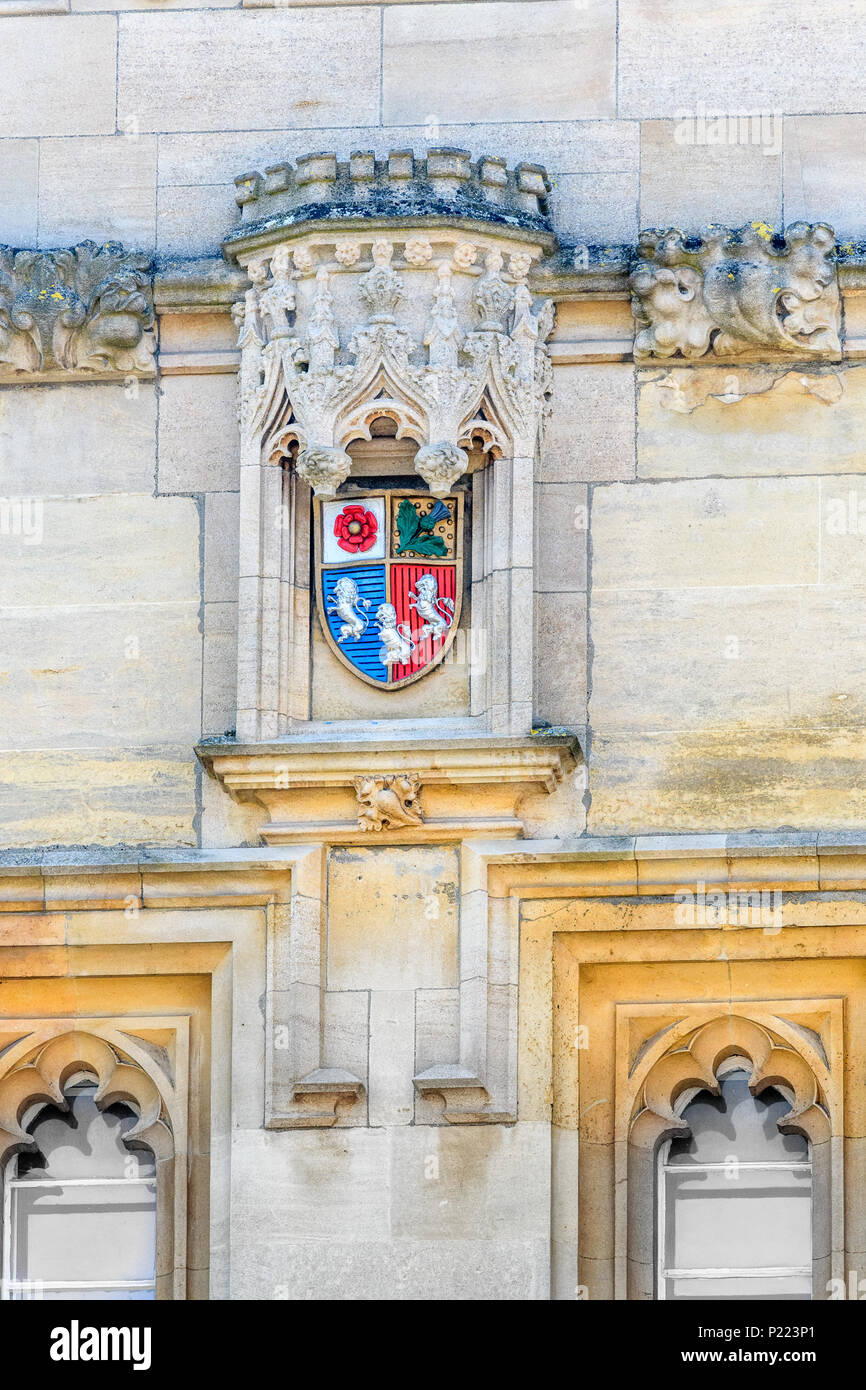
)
(78, 312)
(734, 293)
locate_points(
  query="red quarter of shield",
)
(428, 609)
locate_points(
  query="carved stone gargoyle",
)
(731, 292)
(86, 309)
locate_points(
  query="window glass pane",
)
(82, 1295)
(788, 1288)
(87, 1232)
(736, 1122)
(82, 1206)
(744, 1218)
(737, 1198)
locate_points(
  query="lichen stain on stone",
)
(738, 778)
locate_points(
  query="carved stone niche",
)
(389, 291)
(743, 293)
(76, 312)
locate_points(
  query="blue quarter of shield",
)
(363, 652)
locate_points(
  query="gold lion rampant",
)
(385, 802)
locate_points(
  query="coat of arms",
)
(389, 572)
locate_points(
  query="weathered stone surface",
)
(561, 526)
(590, 435)
(219, 676)
(100, 796)
(672, 60)
(727, 170)
(43, 60)
(198, 434)
(600, 207)
(86, 309)
(19, 187)
(104, 188)
(108, 433)
(725, 293)
(717, 533)
(435, 73)
(194, 220)
(695, 422)
(825, 158)
(560, 634)
(409, 938)
(221, 547)
(182, 70)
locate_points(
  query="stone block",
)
(98, 676)
(699, 170)
(392, 1057)
(108, 433)
(219, 676)
(560, 654)
(182, 70)
(590, 435)
(96, 796)
(221, 547)
(560, 536)
(713, 533)
(99, 189)
(596, 206)
(434, 70)
(824, 165)
(194, 220)
(693, 422)
(674, 58)
(19, 183)
(407, 936)
(198, 434)
(59, 75)
(114, 551)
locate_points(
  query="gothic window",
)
(79, 1211)
(735, 1198)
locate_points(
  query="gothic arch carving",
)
(689, 1063)
(684, 1060)
(34, 1073)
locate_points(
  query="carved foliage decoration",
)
(86, 309)
(389, 801)
(729, 292)
(43, 1073)
(316, 378)
(692, 1063)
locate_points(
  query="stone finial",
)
(381, 288)
(389, 801)
(86, 309)
(492, 297)
(729, 292)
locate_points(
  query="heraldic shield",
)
(389, 576)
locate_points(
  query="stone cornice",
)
(642, 866)
(391, 790)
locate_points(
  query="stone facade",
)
(407, 960)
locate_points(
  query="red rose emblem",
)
(355, 528)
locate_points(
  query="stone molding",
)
(470, 786)
(87, 310)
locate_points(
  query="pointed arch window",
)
(734, 1197)
(79, 1208)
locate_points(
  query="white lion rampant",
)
(397, 642)
(351, 607)
(437, 613)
